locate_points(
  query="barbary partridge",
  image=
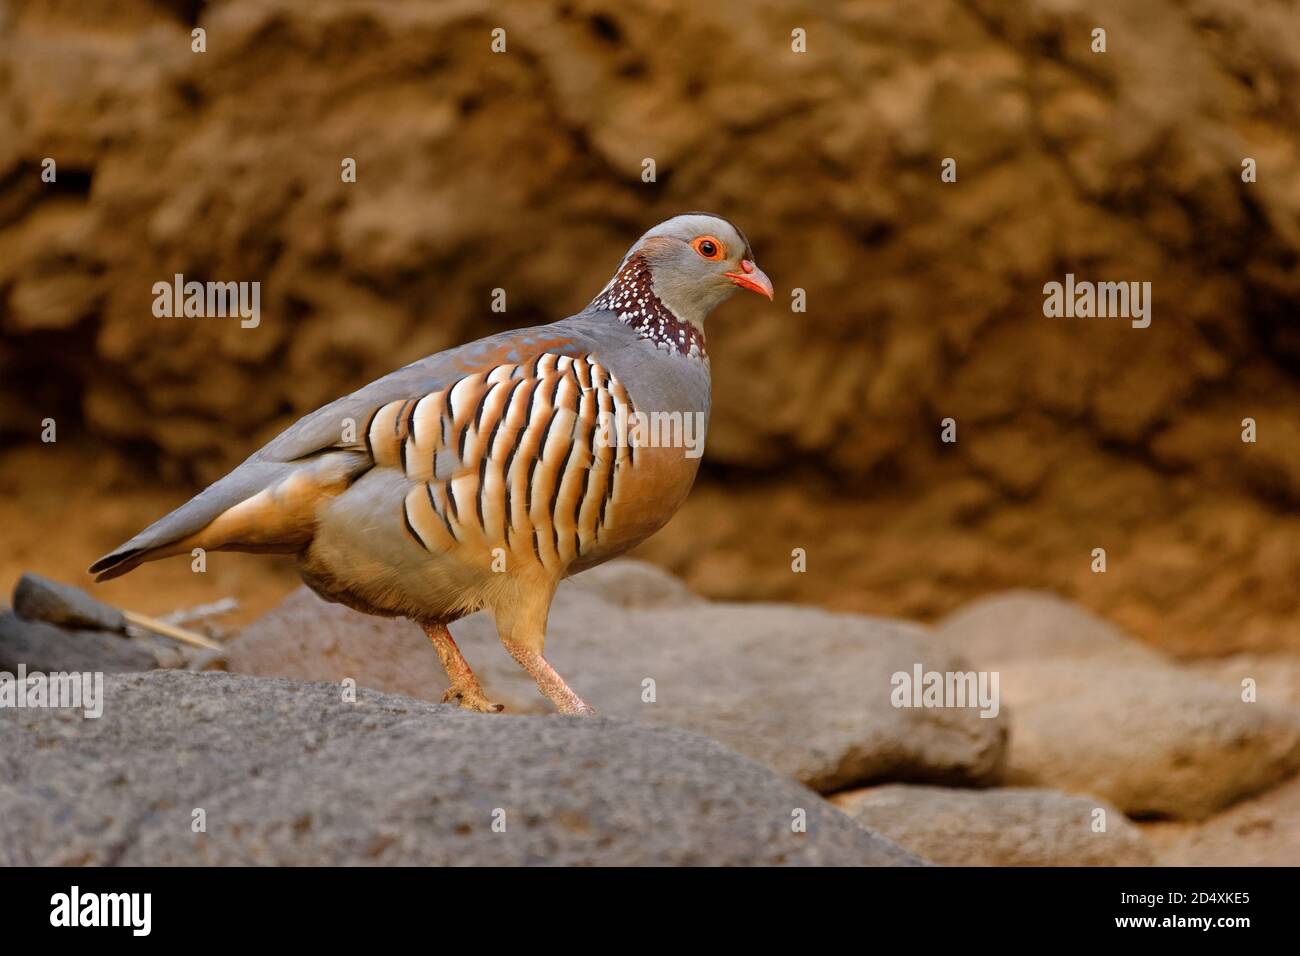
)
(483, 475)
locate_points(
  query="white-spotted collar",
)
(631, 296)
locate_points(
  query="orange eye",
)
(709, 247)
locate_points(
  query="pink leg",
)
(465, 688)
(550, 683)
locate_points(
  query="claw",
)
(472, 698)
(576, 708)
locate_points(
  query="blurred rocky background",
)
(522, 171)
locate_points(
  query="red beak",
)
(751, 277)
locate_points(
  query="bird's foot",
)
(465, 688)
(471, 698)
(576, 707)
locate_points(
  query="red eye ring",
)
(710, 247)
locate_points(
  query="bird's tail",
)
(118, 562)
(265, 506)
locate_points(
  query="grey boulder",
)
(280, 772)
(44, 648)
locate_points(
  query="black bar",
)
(219, 905)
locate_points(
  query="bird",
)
(480, 477)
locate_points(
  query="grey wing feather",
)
(322, 428)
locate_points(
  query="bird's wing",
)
(268, 502)
(522, 455)
(323, 428)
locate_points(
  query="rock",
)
(1094, 712)
(38, 598)
(1155, 740)
(1261, 831)
(1000, 827)
(804, 691)
(45, 648)
(305, 638)
(631, 583)
(289, 773)
(1026, 625)
(1276, 677)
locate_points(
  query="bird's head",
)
(691, 264)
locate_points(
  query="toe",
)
(471, 699)
(478, 702)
